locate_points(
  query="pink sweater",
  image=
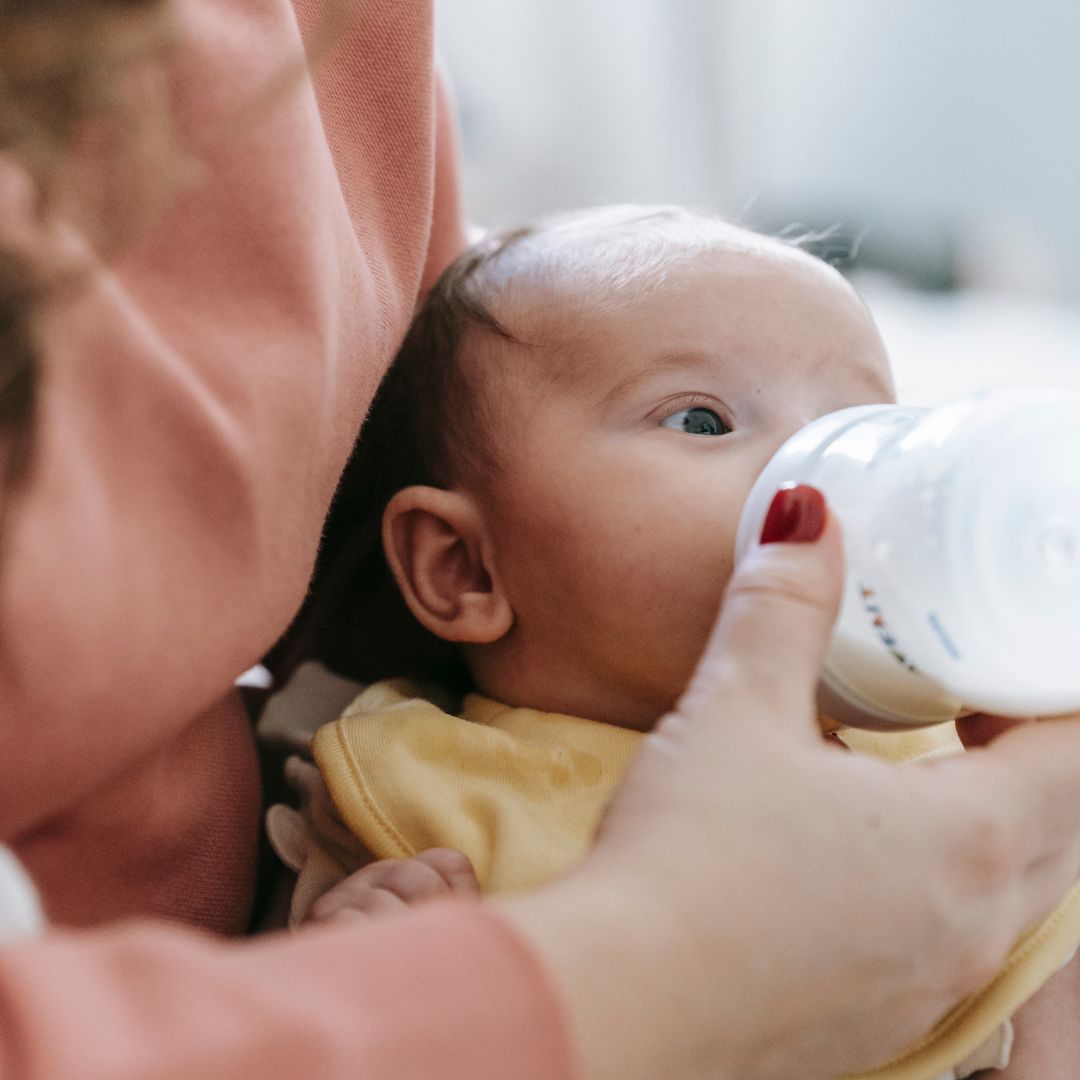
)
(201, 398)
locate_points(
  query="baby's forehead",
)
(574, 279)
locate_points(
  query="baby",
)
(558, 460)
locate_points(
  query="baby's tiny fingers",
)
(413, 879)
(454, 868)
(362, 901)
(393, 884)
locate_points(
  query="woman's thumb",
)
(774, 626)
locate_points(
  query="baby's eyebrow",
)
(688, 360)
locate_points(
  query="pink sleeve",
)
(447, 227)
(448, 991)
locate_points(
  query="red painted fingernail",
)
(796, 516)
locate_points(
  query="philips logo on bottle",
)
(942, 635)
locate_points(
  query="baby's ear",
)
(437, 546)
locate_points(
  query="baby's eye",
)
(696, 421)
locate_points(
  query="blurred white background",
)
(939, 138)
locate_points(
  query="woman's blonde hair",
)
(85, 115)
(63, 71)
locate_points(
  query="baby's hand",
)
(391, 886)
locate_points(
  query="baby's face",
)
(627, 442)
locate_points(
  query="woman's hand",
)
(760, 906)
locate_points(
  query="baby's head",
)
(574, 422)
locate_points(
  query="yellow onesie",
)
(521, 792)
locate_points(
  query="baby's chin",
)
(618, 710)
(638, 714)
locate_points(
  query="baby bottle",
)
(962, 539)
